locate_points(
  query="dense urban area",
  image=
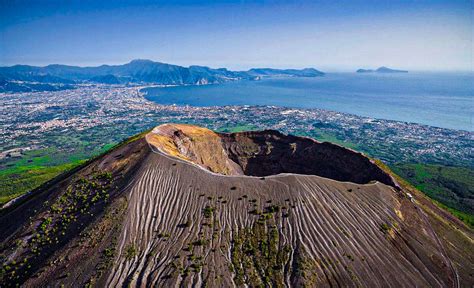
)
(45, 133)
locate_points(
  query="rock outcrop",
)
(264, 153)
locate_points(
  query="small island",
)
(382, 69)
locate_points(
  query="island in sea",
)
(382, 69)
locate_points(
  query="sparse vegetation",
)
(258, 257)
(304, 269)
(385, 228)
(109, 252)
(208, 211)
(184, 224)
(130, 252)
(65, 214)
(272, 209)
(200, 242)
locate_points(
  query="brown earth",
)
(184, 206)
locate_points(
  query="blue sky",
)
(414, 35)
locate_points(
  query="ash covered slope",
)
(166, 219)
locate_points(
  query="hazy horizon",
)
(332, 37)
(328, 70)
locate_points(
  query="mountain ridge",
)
(137, 71)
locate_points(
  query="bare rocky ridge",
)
(182, 206)
(264, 153)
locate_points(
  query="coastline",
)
(370, 106)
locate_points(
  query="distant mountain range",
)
(382, 69)
(20, 78)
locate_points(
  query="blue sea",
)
(438, 99)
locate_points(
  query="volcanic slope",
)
(185, 206)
